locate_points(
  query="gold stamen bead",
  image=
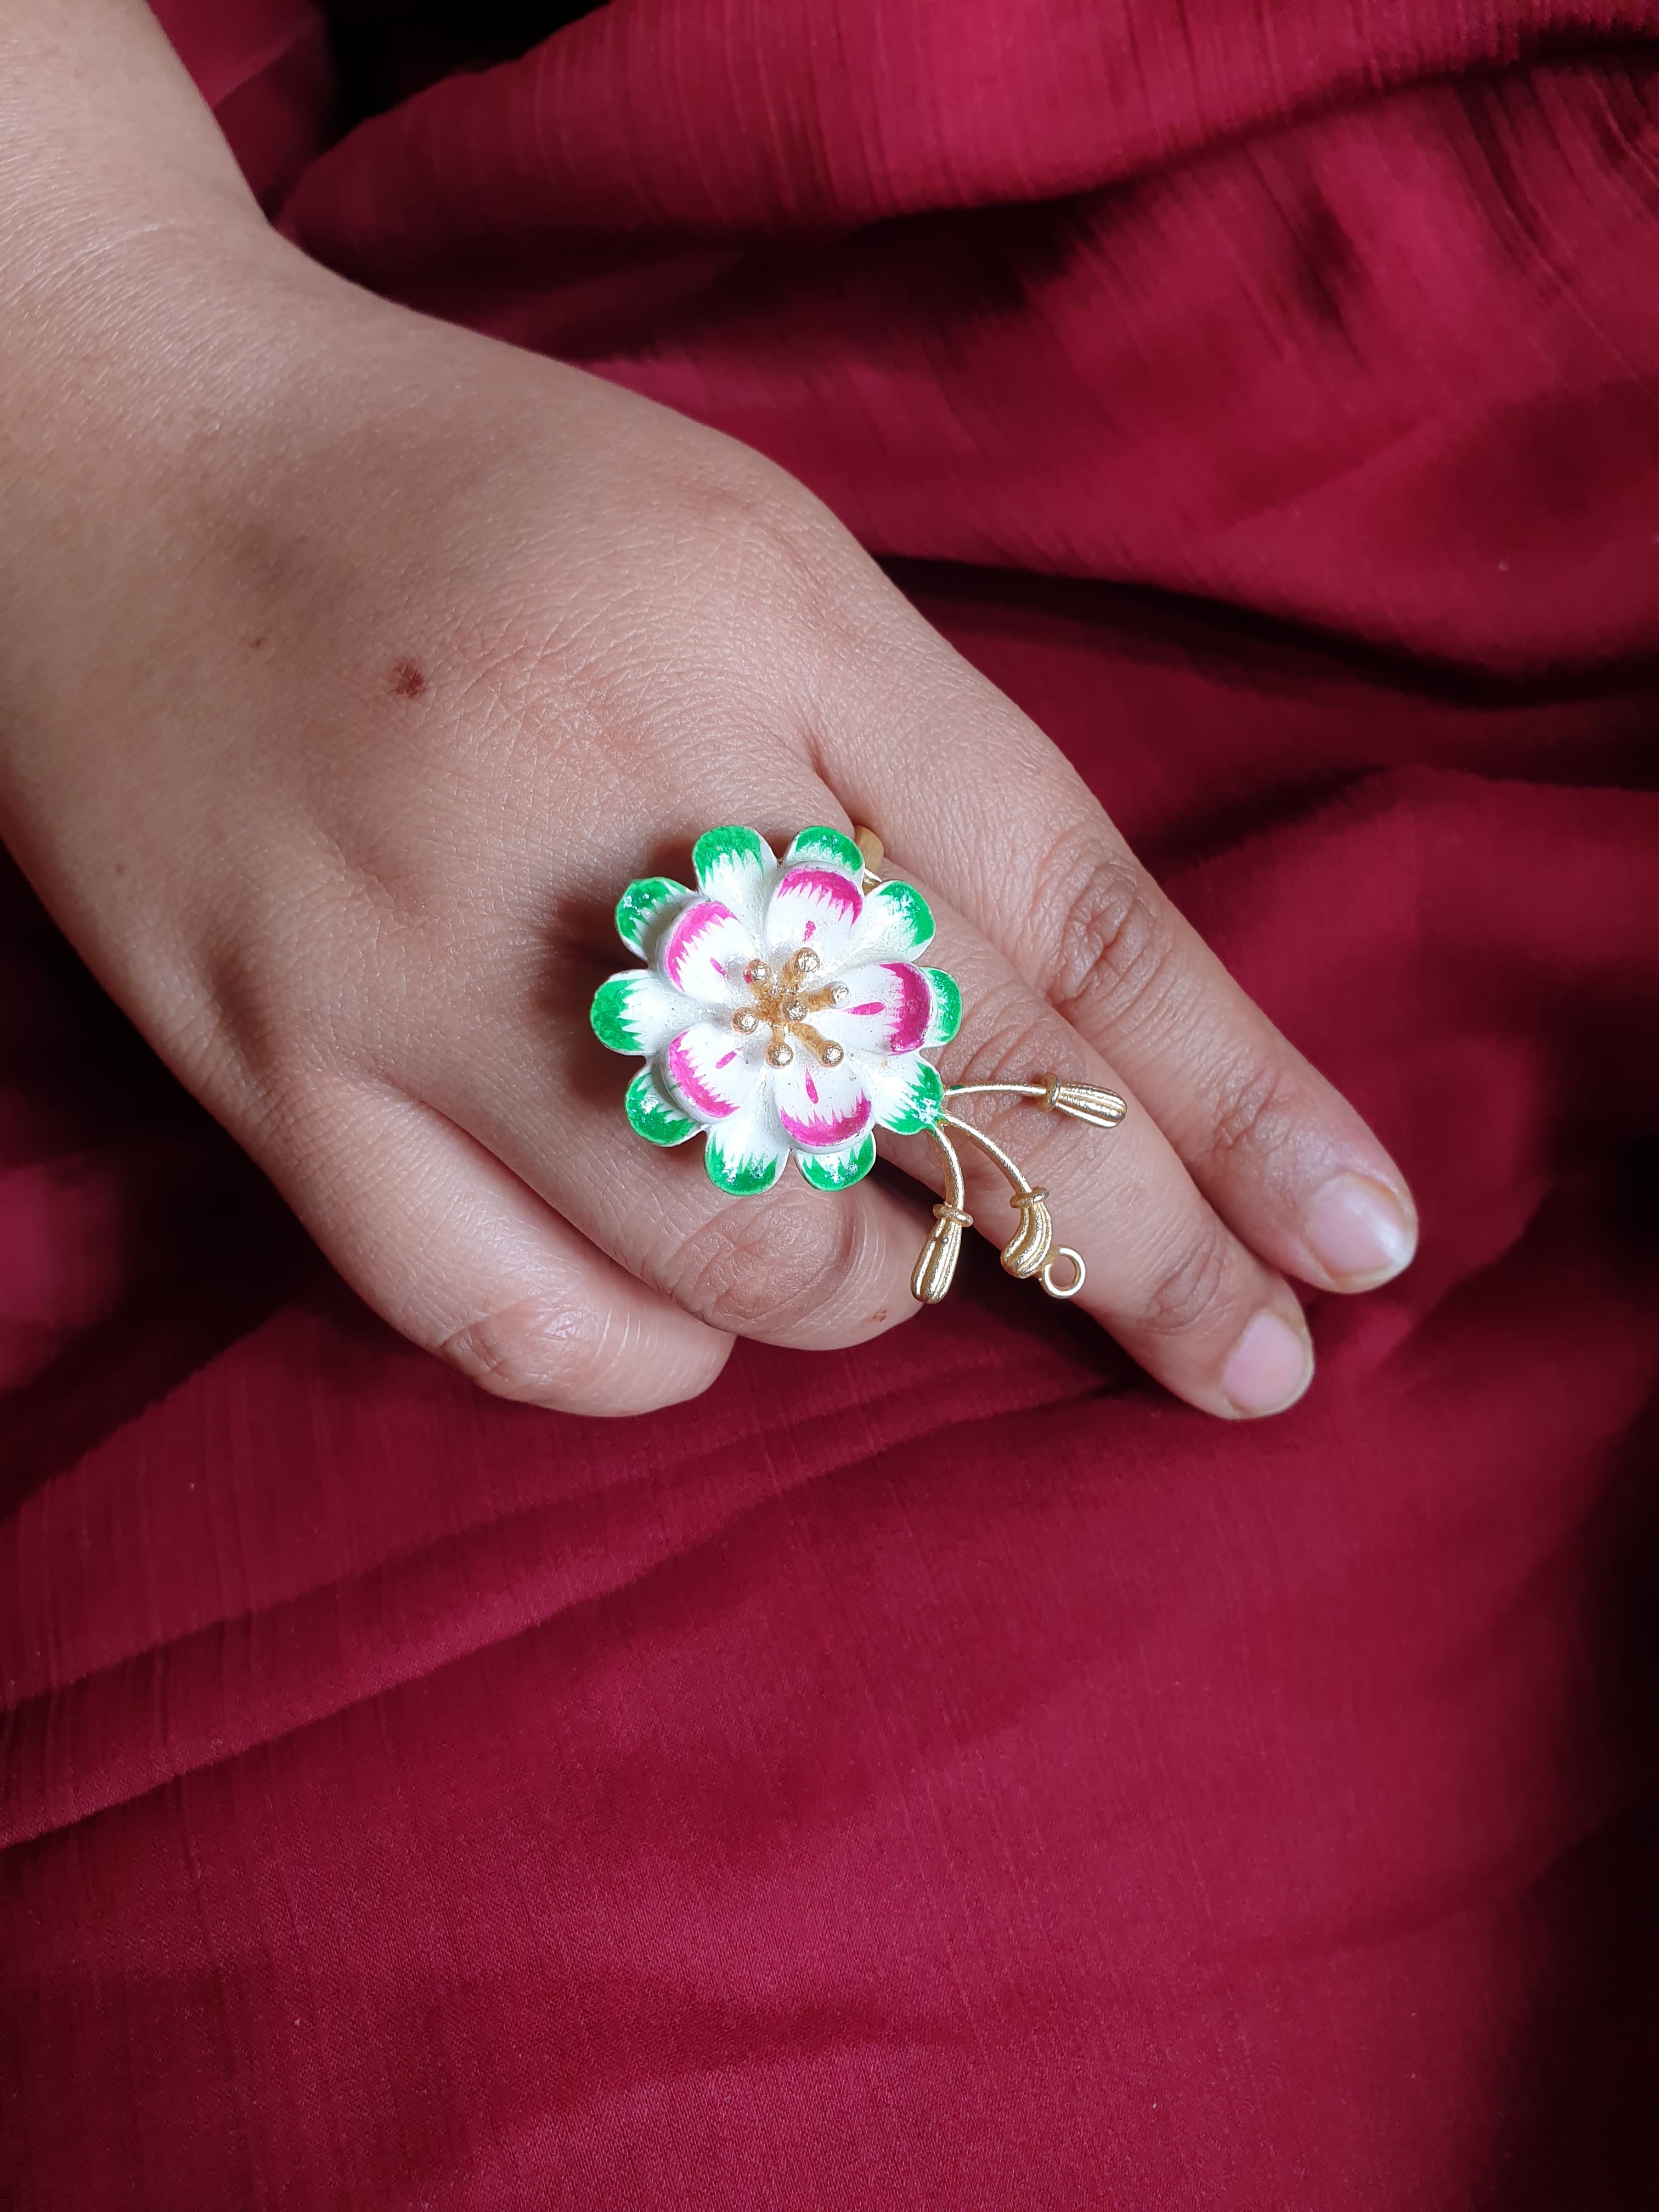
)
(832, 1056)
(758, 972)
(746, 1021)
(779, 1054)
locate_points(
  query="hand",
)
(337, 731)
(349, 664)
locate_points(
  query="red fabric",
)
(960, 1778)
(264, 67)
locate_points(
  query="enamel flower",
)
(781, 1011)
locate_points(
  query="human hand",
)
(333, 750)
(349, 664)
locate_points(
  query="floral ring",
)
(783, 1014)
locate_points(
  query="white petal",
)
(712, 1071)
(747, 1153)
(906, 1093)
(886, 1010)
(897, 924)
(705, 952)
(822, 1108)
(638, 1011)
(736, 867)
(812, 906)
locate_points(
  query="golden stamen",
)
(822, 1048)
(781, 1007)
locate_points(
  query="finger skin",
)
(986, 811)
(459, 1256)
(1166, 1276)
(792, 1266)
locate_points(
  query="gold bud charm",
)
(937, 1265)
(1027, 1250)
(1087, 1102)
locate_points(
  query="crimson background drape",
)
(958, 1777)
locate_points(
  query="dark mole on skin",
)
(406, 680)
(254, 643)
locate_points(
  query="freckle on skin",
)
(406, 680)
(254, 643)
(120, 867)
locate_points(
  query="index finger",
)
(982, 806)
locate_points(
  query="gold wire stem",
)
(1079, 1274)
(955, 1187)
(1084, 1102)
(1031, 1250)
(936, 1265)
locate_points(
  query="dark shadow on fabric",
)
(1586, 2131)
(206, 1249)
(387, 49)
(1593, 730)
(208, 1291)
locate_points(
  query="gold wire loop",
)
(1030, 1251)
(1080, 1275)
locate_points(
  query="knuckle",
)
(1249, 1112)
(1008, 1039)
(1109, 928)
(764, 537)
(764, 1270)
(1187, 1294)
(752, 518)
(536, 1351)
(288, 994)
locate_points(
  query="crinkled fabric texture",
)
(944, 1774)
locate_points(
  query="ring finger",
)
(1164, 1274)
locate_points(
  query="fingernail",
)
(1358, 1232)
(1268, 1369)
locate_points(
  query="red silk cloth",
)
(947, 1773)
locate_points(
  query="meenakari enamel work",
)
(783, 1013)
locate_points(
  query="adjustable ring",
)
(783, 1014)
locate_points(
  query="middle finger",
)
(1165, 1275)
